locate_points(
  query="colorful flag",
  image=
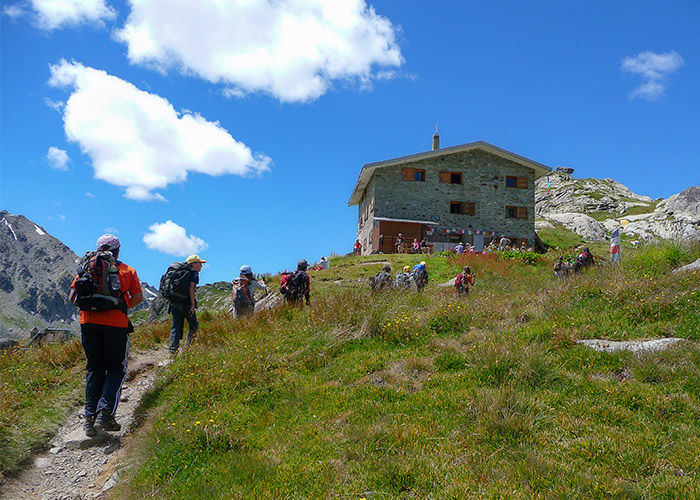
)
(615, 246)
(548, 184)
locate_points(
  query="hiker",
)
(504, 243)
(400, 244)
(404, 280)
(357, 248)
(415, 246)
(186, 308)
(296, 286)
(324, 264)
(459, 249)
(420, 275)
(244, 292)
(383, 280)
(463, 280)
(104, 329)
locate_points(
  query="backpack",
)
(459, 281)
(241, 296)
(403, 280)
(175, 283)
(296, 285)
(421, 277)
(98, 287)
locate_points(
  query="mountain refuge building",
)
(473, 193)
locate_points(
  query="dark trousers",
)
(107, 351)
(181, 312)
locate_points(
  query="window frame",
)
(518, 212)
(446, 177)
(409, 174)
(517, 182)
(464, 207)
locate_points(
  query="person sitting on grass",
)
(420, 275)
(404, 280)
(463, 280)
(383, 280)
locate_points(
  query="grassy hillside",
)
(407, 395)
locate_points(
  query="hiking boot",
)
(106, 422)
(89, 426)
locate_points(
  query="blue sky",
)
(239, 133)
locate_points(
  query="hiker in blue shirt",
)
(244, 292)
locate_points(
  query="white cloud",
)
(136, 140)
(55, 105)
(89, 194)
(53, 14)
(13, 11)
(654, 70)
(168, 237)
(57, 158)
(291, 49)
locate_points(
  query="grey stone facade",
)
(483, 182)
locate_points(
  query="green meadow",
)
(416, 395)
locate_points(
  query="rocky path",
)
(77, 467)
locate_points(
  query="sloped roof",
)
(368, 169)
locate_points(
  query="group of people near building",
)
(408, 279)
(503, 245)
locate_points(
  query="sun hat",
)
(246, 270)
(302, 265)
(108, 242)
(194, 258)
(406, 269)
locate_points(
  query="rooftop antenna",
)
(436, 138)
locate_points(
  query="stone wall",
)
(483, 183)
(365, 222)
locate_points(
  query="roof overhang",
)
(388, 219)
(368, 169)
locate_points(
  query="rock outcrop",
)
(592, 208)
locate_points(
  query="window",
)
(451, 177)
(516, 182)
(516, 212)
(414, 174)
(462, 207)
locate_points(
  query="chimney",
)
(436, 139)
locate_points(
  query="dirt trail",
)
(77, 467)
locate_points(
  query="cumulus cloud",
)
(291, 49)
(654, 70)
(54, 14)
(57, 158)
(168, 237)
(136, 140)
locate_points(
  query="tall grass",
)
(428, 395)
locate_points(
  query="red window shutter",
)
(522, 182)
(408, 174)
(522, 212)
(445, 177)
(468, 208)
